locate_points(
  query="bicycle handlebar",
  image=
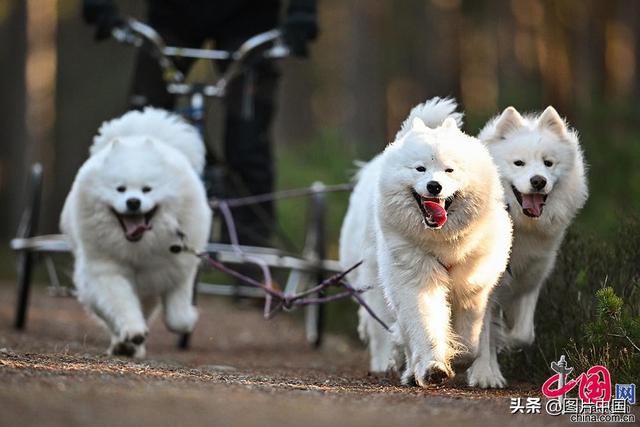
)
(269, 44)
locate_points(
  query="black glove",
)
(299, 28)
(103, 14)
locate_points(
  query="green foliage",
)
(327, 158)
(612, 339)
(588, 309)
(622, 363)
(608, 322)
(609, 136)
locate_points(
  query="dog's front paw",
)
(182, 321)
(128, 349)
(129, 344)
(482, 374)
(424, 374)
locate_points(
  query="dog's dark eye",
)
(548, 163)
(518, 163)
(146, 189)
(121, 189)
(421, 169)
(448, 170)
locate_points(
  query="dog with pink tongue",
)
(427, 217)
(543, 174)
(137, 194)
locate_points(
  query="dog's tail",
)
(432, 112)
(159, 124)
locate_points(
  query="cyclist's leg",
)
(249, 152)
(248, 148)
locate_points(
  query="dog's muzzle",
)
(434, 209)
(135, 225)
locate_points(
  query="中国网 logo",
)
(594, 402)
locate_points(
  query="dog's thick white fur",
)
(543, 174)
(130, 201)
(429, 281)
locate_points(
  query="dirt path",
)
(241, 370)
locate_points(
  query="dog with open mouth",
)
(427, 218)
(137, 190)
(543, 173)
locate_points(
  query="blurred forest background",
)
(373, 61)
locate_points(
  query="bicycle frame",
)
(267, 45)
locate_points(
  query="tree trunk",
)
(13, 159)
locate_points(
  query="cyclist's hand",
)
(299, 28)
(103, 14)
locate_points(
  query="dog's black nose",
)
(434, 187)
(538, 182)
(133, 204)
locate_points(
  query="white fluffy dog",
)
(131, 200)
(543, 173)
(428, 218)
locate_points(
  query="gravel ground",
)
(240, 370)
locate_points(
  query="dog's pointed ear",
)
(508, 121)
(450, 123)
(551, 120)
(418, 124)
